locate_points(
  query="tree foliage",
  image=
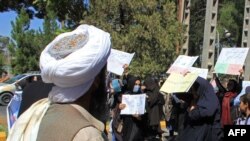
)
(231, 19)
(4, 54)
(27, 44)
(145, 27)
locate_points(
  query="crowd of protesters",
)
(135, 127)
(200, 114)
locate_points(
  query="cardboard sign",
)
(231, 60)
(178, 83)
(182, 64)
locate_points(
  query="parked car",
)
(8, 88)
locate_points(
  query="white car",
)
(8, 87)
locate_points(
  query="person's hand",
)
(192, 108)
(241, 71)
(112, 91)
(137, 116)
(125, 66)
(185, 73)
(122, 106)
(143, 87)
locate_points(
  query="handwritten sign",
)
(201, 72)
(135, 104)
(182, 64)
(178, 83)
(243, 91)
(117, 59)
(231, 60)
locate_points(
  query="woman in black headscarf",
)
(153, 109)
(133, 126)
(203, 119)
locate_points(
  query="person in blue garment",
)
(203, 117)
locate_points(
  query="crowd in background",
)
(200, 114)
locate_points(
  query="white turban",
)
(72, 61)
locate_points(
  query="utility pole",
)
(246, 38)
(209, 36)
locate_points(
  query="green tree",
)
(27, 44)
(231, 19)
(68, 12)
(4, 41)
(1, 62)
(145, 27)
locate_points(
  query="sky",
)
(7, 17)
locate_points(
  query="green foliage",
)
(67, 11)
(1, 62)
(145, 27)
(27, 44)
(231, 19)
(148, 28)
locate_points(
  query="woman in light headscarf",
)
(75, 109)
(203, 119)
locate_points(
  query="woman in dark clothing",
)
(153, 110)
(203, 118)
(133, 126)
(227, 96)
(179, 111)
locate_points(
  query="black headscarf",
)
(131, 84)
(150, 84)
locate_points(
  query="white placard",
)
(135, 104)
(231, 60)
(201, 72)
(233, 55)
(182, 64)
(117, 59)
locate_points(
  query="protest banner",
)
(13, 109)
(117, 59)
(182, 64)
(135, 104)
(176, 83)
(244, 85)
(231, 60)
(201, 72)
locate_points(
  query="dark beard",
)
(98, 105)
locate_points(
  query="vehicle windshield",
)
(14, 79)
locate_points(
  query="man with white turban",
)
(75, 62)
